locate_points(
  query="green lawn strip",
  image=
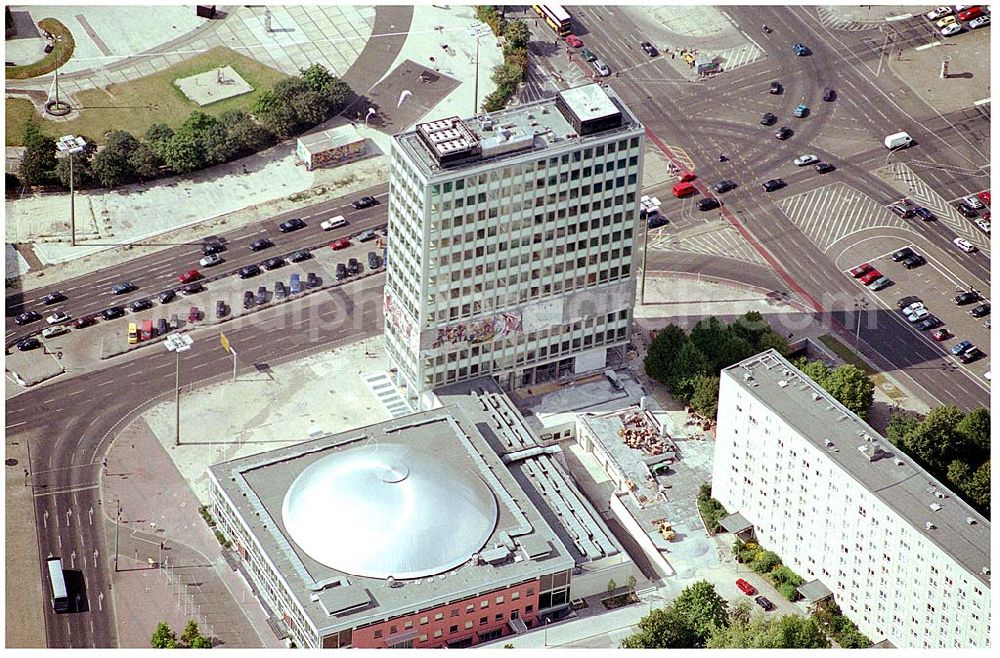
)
(18, 112)
(62, 50)
(135, 105)
(846, 353)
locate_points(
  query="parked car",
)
(917, 315)
(280, 292)
(192, 288)
(776, 88)
(764, 603)
(52, 332)
(923, 213)
(824, 167)
(261, 295)
(903, 302)
(724, 186)
(340, 243)
(945, 21)
(649, 49)
(860, 270)
(248, 299)
(573, 41)
(656, 220)
(175, 323)
(341, 272)
(365, 202)
(210, 248)
(880, 283)
(194, 314)
(746, 587)
(189, 276)
(913, 307)
(800, 110)
(971, 354)
(902, 254)
(966, 210)
(964, 245)
(829, 95)
(916, 260)
(587, 54)
(112, 313)
(930, 322)
(57, 317)
(870, 276)
(312, 281)
(166, 296)
(248, 271)
(300, 255)
(273, 263)
(366, 236)
(980, 311)
(209, 261)
(984, 225)
(291, 225)
(52, 298)
(601, 67)
(951, 29)
(686, 177)
(768, 119)
(28, 344)
(940, 334)
(122, 288)
(784, 133)
(85, 321)
(333, 222)
(958, 348)
(353, 266)
(982, 21)
(804, 160)
(27, 318)
(220, 309)
(162, 327)
(973, 200)
(800, 49)
(261, 244)
(295, 284)
(773, 184)
(707, 204)
(140, 305)
(972, 12)
(984, 196)
(372, 260)
(940, 12)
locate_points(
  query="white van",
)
(899, 140)
(602, 68)
(335, 222)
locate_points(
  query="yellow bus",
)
(557, 18)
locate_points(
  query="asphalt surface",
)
(78, 417)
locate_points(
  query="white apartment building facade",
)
(511, 242)
(903, 556)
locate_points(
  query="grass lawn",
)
(62, 50)
(135, 105)
(846, 353)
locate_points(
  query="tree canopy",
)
(38, 163)
(761, 632)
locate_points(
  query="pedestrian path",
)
(387, 394)
(828, 214)
(834, 19)
(739, 56)
(725, 242)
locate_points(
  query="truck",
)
(898, 140)
(147, 330)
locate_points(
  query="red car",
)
(861, 270)
(686, 177)
(574, 41)
(85, 321)
(984, 197)
(189, 276)
(940, 334)
(193, 314)
(340, 243)
(745, 587)
(870, 276)
(970, 13)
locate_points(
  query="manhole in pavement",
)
(888, 387)
(11, 462)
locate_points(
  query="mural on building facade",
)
(399, 319)
(499, 326)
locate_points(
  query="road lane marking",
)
(16, 425)
(928, 45)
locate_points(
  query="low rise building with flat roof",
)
(905, 558)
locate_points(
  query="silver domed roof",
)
(389, 510)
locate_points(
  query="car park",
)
(52, 298)
(113, 312)
(768, 119)
(293, 224)
(366, 236)
(964, 245)
(860, 270)
(982, 21)
(974, 11)
(804, 160)
(966, 210)
(916, 260)
(574, 41)
(930, 322)
(341, 272)
(951, 29)
(587, 54)
(280, 292)
(784, 133)
(746, 587)
(193, 314)
(365, 202)
(220, 309)
(801, 110)
(966, 297)
(707, 204)
(300, 255)
(940, 334)
(140, 305)
(764, 603)
(971, 354)
(869, 276)
(57, 317)
(340, 243)
(773, 184)
(880, 283)
(85, 321)
(192, 288)
(248, 271)
(312, 281)
(189, 276)
(824, 167)
(27, 318)
(940, 12)
(273, 263)
(903, 302)
(209, 248)
(902, 254)
(923, 213)
(333, 222)
(372, 260)
(958, 348)
(209, 261)
(166, 296)
(28, 344)
(724, 186)
(901, 210)
(261, 244)
(974, 201)
(800, 49)
(649, 49)
(248, 299)
(829, 95)
(945, 21)
(261, 295)
(917, 315)
(980, 311)
(122, 288)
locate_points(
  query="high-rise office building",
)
(511, 242)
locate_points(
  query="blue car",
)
(800, 49)
(961, 347)
(801, 110)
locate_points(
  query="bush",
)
(789, 591)
(205, 514)
(765, 562)
(222, 539)
(712, 512)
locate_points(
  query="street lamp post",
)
(479, 31)
(71, 144)
(178, 343)
(860, 307)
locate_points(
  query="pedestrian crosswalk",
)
(833, 17)
(831, 213)
(734, 58)
(381, 386)
(922, 194)
(724, 242)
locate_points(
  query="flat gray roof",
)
(325, 140)
(892, 476)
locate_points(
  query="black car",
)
(784, 133)
(263, 243)
(366, 236)
(166, 296)
(708, 204)
(903, 302)
(291, 225)
(122, 288)
(916, 260)
(824, 167)
(930, 322)
(112, 313)
(923, 213)
(649, 49)
(365, 202)
(280, 291)
(980, 311)
(656, 220)
(828, 94)
(210, 248)
(353, 266)
(248, 299)
(967, 297)
(192, 288)
(967, 210)
(724, 186)
(300, 255)
(312, 281)
(971, 354)
(220, 309)
(52, 298)
(273, 263)
(776, 88)
(902, 254)
(27, 318)
(261, 295)
(248, 271)
(773, 184)
(140, 305)
(764, 603)
(372, 260)
(28, 344)
(341, 271)
(768, 119)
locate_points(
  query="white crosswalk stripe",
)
(682, 156)
(725, 243)
(734, 58)
(923, 194)
(828, 214)
(387, 394)
(831, 18)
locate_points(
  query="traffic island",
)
(62, 45)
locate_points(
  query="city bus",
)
(557, 18)
(60, 600)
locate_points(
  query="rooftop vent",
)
(788, 373)
(985, 571)
(747, 377)
(970, 520)
(936, 507)
(929, 526)
(827, 442)
(782, 383)
(817, 396)
(899, 462)
(939, 494)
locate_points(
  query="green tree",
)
(852, 387)
(288, 89)
(337, 95)
(201, 642)
(197, 123)
(708, 334)
(936, 441)
(217, 145)
(960, 475)
(758, 632)
(38, 163)
(772, 340)
(703, 608)
(145, 162)
(247, 135)
(184, 153)
(751, 327)
(663, 351)
(507, 75)
(612, 586)
(112, 165)
(979, 488)
(190, 632)
(688, 364)
(766, 562)
(282, 121)
(265, 102)
(732, 349)
(517, 35)
(310, 108)
(81, 171)
(975, 431)
(662, 628)
(816, 371)
(317, 78)
(705, 398)
(163, 637)
(898, 427)
(158, 136)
